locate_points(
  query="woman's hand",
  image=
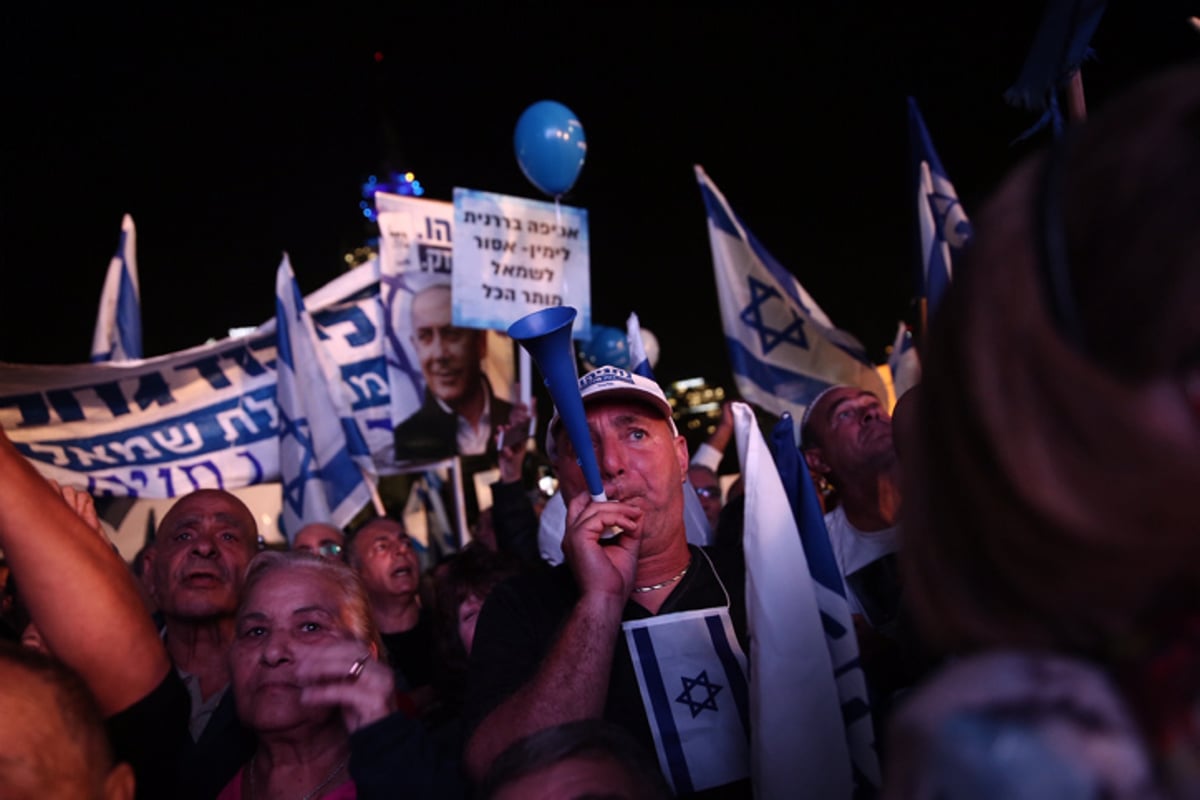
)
(347, 674)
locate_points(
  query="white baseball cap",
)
(615, 383)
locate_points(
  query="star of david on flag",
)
(783, 349)
(771, 337)
(324, 461)
(699, 683)
(683, 661)
(941, 221)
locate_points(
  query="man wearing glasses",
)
(708, 489)
(320, 539)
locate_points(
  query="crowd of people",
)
(1019, 547)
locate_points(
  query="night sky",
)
(232, 136)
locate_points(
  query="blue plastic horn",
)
(546, 334)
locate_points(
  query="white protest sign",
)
(514, 256)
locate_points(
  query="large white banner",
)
(201, 418)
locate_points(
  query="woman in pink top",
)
(308, 683)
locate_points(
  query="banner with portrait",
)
(447, 380)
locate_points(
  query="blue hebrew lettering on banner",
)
(237, 422)
(202, 417)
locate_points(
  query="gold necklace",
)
(314, 793)
(654, 587)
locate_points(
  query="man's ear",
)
(120, 783)
(681, 454)
(816, 461)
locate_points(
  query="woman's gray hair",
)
(353, 603)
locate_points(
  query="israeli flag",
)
(783, 349)
(941, 221)
(799, 735)
(639, 362)
(324, 462)
(692, 675)
(1060, 46)
(118, 335)
(836, 621)
(904, 362)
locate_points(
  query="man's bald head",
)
(53, 743)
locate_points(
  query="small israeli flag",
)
(324, 462)
(692, 675)
(118, 333)
(941, 221)
(639, 362)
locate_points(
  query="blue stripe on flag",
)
(855, 709)
(810, 521)
(355, 443)
(832, 627)
(733, 670)
(341, 477)
(129, 312)
(680, 776)
(716, 212)
(283, 336)
(794, 386)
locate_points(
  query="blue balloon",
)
(607, 348)
(550, 146)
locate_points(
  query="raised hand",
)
(346, 674)
(602, 565)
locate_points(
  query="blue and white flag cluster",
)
(830, 590)
(941, 221)
(783, 349)
(324, 461)
(798, 732)
(692, 676)
(118, 335)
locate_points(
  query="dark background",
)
(231, 136)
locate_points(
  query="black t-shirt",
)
(411, 653)
(152, 736)
(522, 616)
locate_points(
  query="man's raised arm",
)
(78, 591)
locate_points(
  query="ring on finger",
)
(357, 667)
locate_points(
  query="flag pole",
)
(923, 314)
(376, 500)
(1076, 104)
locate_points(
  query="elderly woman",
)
(308, 682)
(1052, 530)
